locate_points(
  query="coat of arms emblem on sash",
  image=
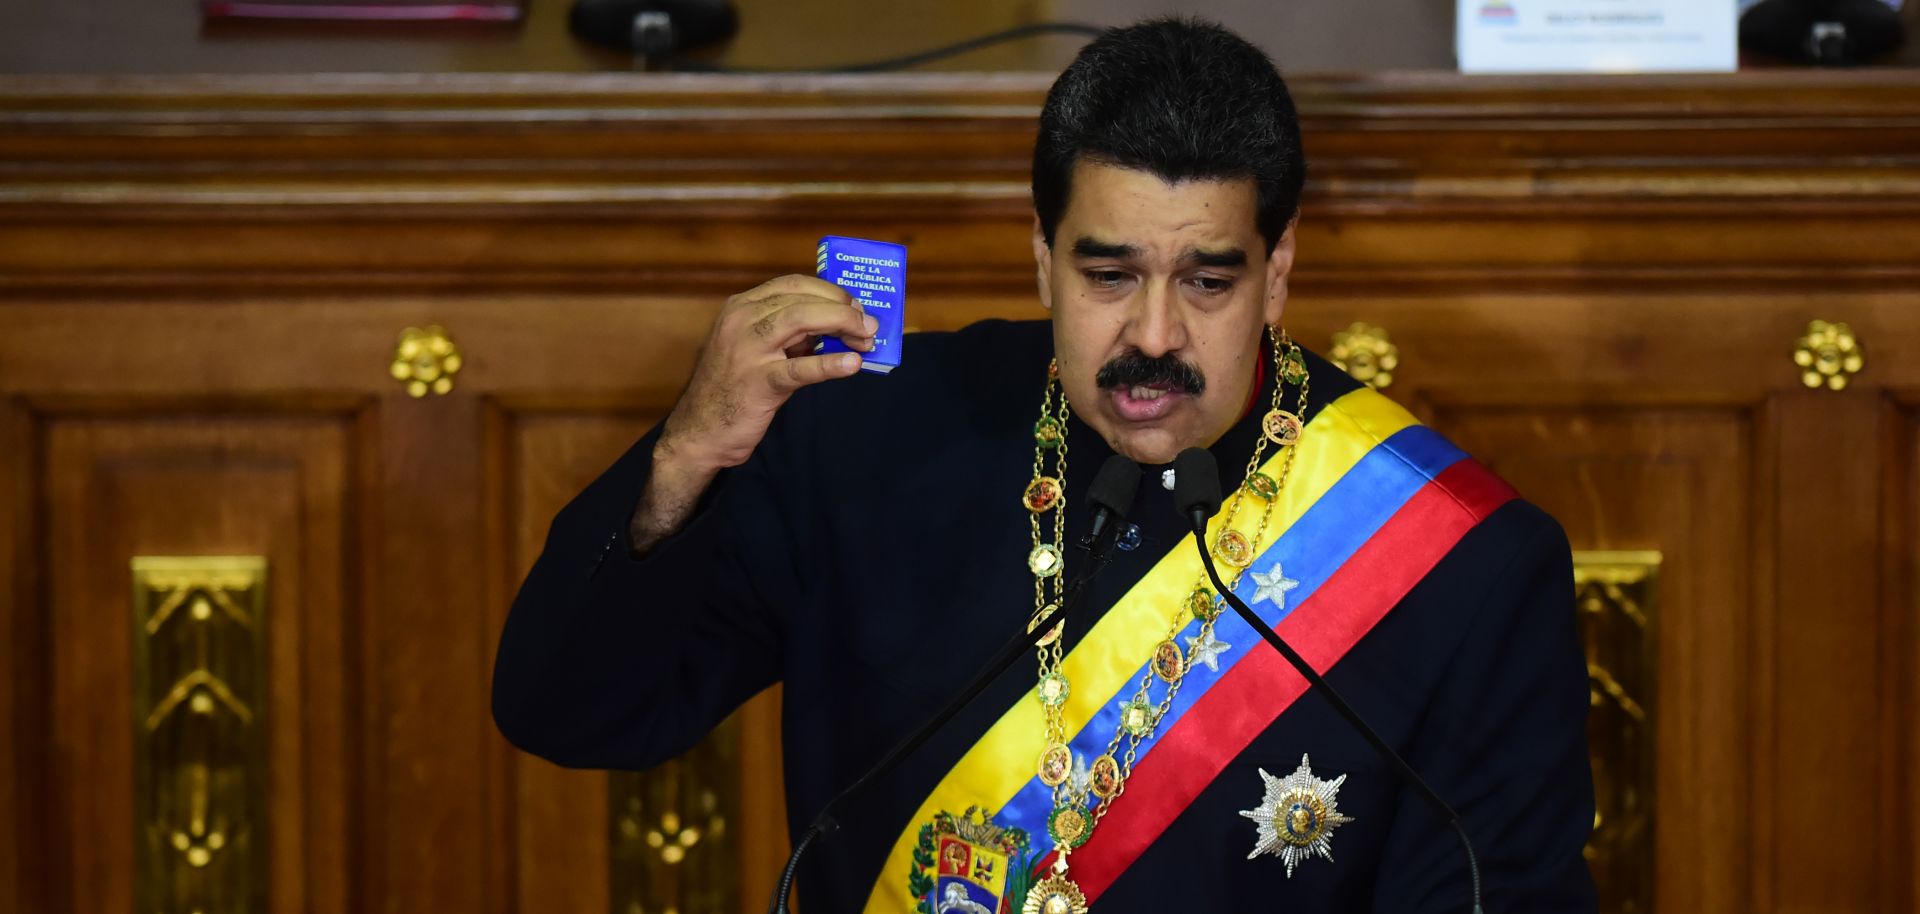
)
(967, 865)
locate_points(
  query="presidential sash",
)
(1373, 502)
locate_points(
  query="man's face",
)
(1159, 292)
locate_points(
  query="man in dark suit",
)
(870, 540)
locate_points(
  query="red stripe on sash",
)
(1323, 628)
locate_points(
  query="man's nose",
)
(1157, 325)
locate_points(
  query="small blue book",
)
(875, 274)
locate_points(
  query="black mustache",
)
(1166, 371)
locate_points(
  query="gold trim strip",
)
(1615, 595)
(200, 689)
(671, 847)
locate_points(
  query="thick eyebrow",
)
(1091, 249)
(1231, 257)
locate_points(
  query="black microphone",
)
(1196, 488)
(1112, 495)
(1196, 492)
(1833, 33)
(653, 28)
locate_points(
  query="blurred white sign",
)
(1596, 36)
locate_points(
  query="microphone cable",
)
(1112, 493)
(1197, 494)
(904, 61)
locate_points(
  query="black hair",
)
(1179, 98)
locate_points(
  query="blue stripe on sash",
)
(1315, 547)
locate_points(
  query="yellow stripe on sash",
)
(1105, 661)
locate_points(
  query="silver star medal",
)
(1077, 781)
(1297, 816)
(1272, 587)
(1205, 648)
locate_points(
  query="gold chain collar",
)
(1071, 823)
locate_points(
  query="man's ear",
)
(1279, 265)
(1043, 263)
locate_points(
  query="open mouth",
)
(1145, 402)
(1145, 389)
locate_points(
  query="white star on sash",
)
(1205, 648)
(1272, 587)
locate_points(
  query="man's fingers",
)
(791, 324)
(805, 347)
(789, 375)
(797, 284)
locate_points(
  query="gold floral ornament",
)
(426, 360)
(1828, 355)
(670, 840)
(1367, 353)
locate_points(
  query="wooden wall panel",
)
(560, 834)
(1595, 283)
(1612, 341)
(430, 650)
(1823, 660)
(198, 485)
(23, 793)
(1680, 482)
(1773, 651)
(540, 456)
(1900, 652)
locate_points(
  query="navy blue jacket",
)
(871, 556)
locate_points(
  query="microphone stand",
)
(1097, 548)
(1198, 521)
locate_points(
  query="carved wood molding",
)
(931, 132)
(557, 180)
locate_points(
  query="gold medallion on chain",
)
(1053, 690)
(1049, 432)
(1055, 895)
(1044, 560)
(1293, 366)
(1041, 494)
(1168, 663)
(1137, 717)
(1232, 547)
(1069, 825)
(1103, 777)
(1263, 485)
(1056, 765)
(1051, 636)
(1281, 427)
(1203, 604)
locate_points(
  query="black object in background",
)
(658, 31)
(1196, 492)
(653, 28)
(1831, 33)
(1111, 495)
